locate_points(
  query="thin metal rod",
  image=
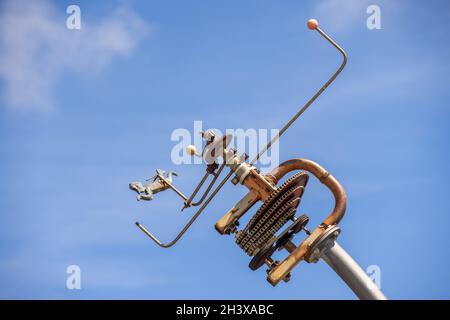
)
(352, 274)
(198, 187)
(188, 202)
(171, 186)
(186, 227)
(318, 93)
(211, 184)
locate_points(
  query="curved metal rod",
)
(211, 184)
(188, 202)
(186, 227)
(318, 93)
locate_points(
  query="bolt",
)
(287, 277)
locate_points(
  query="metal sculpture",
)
(263, 234)
(159, 183)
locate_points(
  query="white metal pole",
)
(352, 274)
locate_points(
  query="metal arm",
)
(186, 227)
(313, 25)
(189, 202)
(171, 186)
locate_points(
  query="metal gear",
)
(272, 215)
(276, 242)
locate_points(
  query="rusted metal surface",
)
(259, 184)
(235, 213)
(280, 271)
(260, 189)
(272, 215)
(228, 223)
(325, 177)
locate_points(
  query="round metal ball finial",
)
(312, 24)
(191, 150)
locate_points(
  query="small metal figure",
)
(159, 183)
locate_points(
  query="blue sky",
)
(84, 112)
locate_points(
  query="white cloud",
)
(36, 48)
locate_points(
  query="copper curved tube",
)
(186, 227)
(298, 254)
(325, 177)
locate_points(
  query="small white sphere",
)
(191, 150)
(312, 24)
